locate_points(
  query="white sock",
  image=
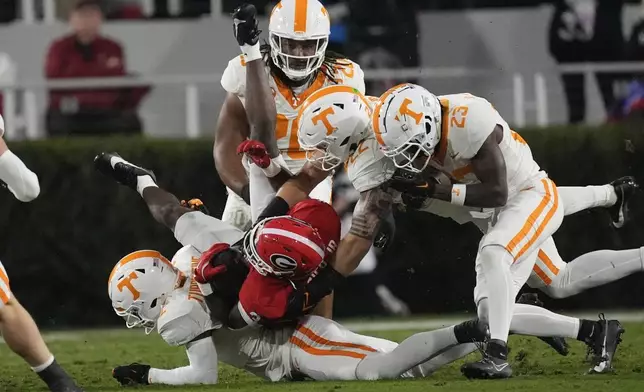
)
(579, 198)
(44, 366)
(142, 182)
(413, 351)
(536, 321)
(595, 269)
(447, 356)
(494, 266)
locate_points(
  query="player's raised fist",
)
(256, 151)
(245, 25)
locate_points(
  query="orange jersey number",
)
(285, 128)
(459, 115)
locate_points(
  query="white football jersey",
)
(467, 122)
(288, 101)
(185, 314)
(368, 167)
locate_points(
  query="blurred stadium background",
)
(565, 74)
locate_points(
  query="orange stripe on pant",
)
(324, 352)
(4, 297)
(546, 260)
(551, 212)
(532, 219)
(315, 338)
(542, 275)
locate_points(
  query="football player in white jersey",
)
(370, 172)
(149, 291)
(489, 166)
(265, 87)
(16, 325)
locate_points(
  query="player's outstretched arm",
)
(260, 105)
(232, 130)
(202, 367)
(21, 181)
(372, 209)
(164, 206)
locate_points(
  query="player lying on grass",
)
(167, 210)
(337, 137)
(16, 325)
(148, 290)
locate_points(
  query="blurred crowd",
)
(374, 33)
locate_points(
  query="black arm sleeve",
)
(277, 207)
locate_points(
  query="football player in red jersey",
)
(293, 280)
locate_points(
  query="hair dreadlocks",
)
(329, 65)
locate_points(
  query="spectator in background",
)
(85, 53)
(583, 31)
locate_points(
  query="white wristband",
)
(272, 170)
(251, 53)
(458, 194)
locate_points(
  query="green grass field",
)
(90, 356)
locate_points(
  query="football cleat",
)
(625, 188)
(245, 25)
(558, 344)
(493, 365)
(471, 331)
(122, 171)
(603, 343)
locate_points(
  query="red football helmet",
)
(323, 217)
(285, 247)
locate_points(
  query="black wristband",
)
(276, 207)
(245, 193)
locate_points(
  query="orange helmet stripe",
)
(323, 92)
(376, 112)
(300, 16)
(138, 255)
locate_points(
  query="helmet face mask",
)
(407, 124)
(298, 58)
(299, 33)
(139, 286)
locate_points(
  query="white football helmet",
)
(139, 285)
(406, 122)
(330, 121)
(299, 34)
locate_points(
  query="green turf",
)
(91, 357)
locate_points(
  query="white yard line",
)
(359, 326)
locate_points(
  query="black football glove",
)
(245, 25)
(132, 374)
(414, 189)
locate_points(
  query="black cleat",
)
(602, 344)
(494, 363)
(122, 171)
(471, 331)
(625, 187)
(558, 344)
(245, 25)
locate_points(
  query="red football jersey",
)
(322, 217)
(263, 298)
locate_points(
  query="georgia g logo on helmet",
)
(283, 263)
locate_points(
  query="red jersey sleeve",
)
(263, 298)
